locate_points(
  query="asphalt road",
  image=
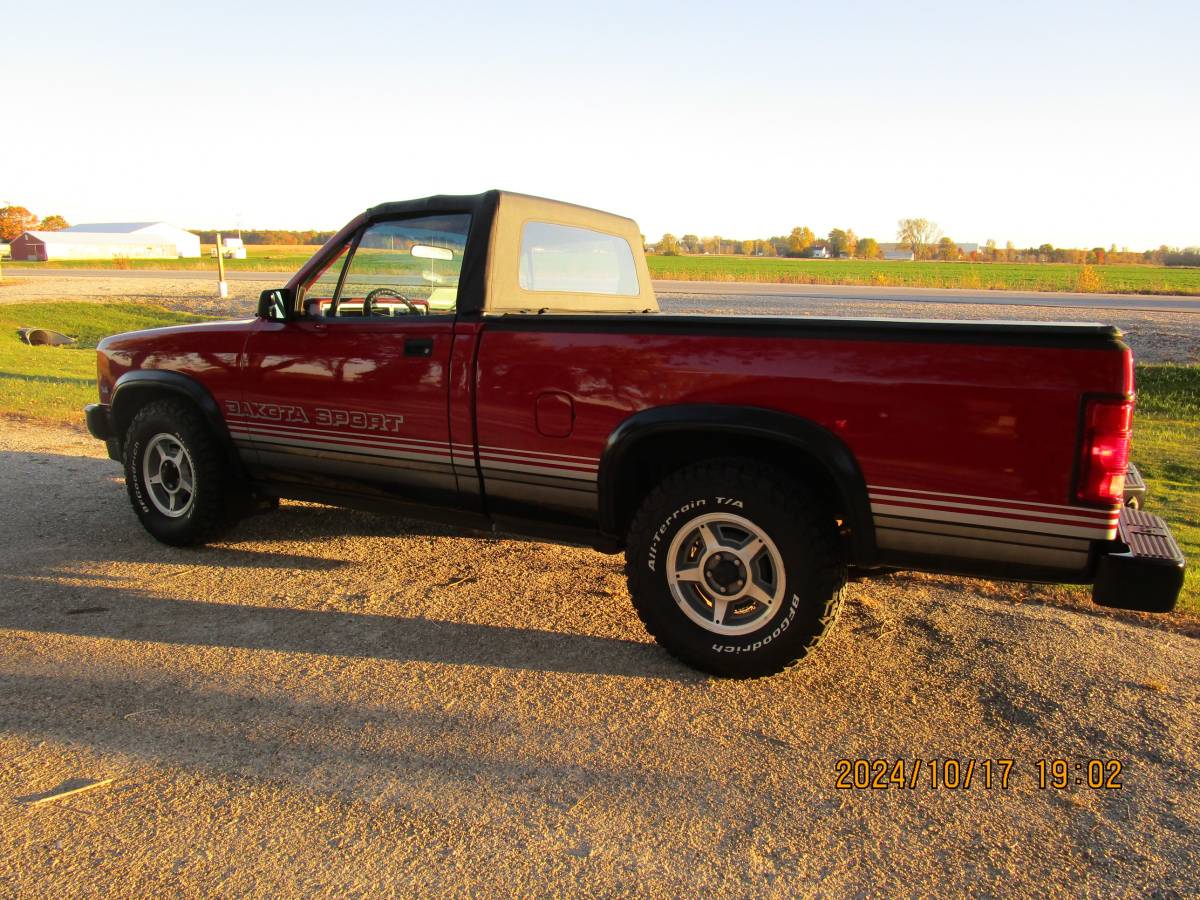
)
(748, 294)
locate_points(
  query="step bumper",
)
(1145, 571)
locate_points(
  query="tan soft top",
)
(504, 291)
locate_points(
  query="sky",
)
(1076, 124)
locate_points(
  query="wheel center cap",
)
(170, 475)
(724, 573)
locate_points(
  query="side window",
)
(566, 259)
(404, 268)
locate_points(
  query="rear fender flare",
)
(816, 441)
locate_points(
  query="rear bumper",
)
(1145, 570)
(99, 425)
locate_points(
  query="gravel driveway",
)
(332, 702)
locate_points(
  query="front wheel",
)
(734, 568)
(176, 474)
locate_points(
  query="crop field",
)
(1115, 279)
(52, 384)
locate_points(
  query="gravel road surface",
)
(329, 702)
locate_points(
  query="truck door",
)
(351, 395)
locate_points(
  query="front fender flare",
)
(129, 385)
(813, 439)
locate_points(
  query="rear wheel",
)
(734, 568)
(177, 476)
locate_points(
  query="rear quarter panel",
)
(940, 418)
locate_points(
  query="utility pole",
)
(222, 285)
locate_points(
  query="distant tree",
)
(989, 250)
(839, 243)
(767, 248)
(1098, 255)
(947, 250)
(917, 235)
(800, 240)
(53, 223)
(1045, 252)
(690, 243)
(748, 247)
(15, 221)
(669, 245)
(712, 244)
(868, 248)
(1188, 256)
(1010, 252)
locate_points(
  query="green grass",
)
(1166, 447)
(1116, 279)
(53, 383)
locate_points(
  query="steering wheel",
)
(388, 292)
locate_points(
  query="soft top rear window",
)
(566, 259)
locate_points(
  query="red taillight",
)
(1107, 425)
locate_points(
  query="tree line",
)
(264, 236)
(920, 236)
(16, 220)
(923, 238)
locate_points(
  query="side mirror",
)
(274, 305)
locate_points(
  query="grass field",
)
(1116, 279)
(1166, 447)
(53, 383)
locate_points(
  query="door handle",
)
(418, 347)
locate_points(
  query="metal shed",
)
(43, 246)
(186, 243)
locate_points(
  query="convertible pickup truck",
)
(499, 361)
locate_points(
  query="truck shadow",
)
(121, 614)
(378, 751)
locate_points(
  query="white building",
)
(186, 243)
(42, 246)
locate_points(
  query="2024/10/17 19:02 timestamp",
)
(962, 774)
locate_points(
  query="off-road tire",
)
(804, 532)
(212, 511)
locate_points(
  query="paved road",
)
(773, 293)
(755, 294)
(159, 274)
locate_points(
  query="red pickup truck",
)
(499, 361)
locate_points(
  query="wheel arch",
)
(651, 444)
(133, 390)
